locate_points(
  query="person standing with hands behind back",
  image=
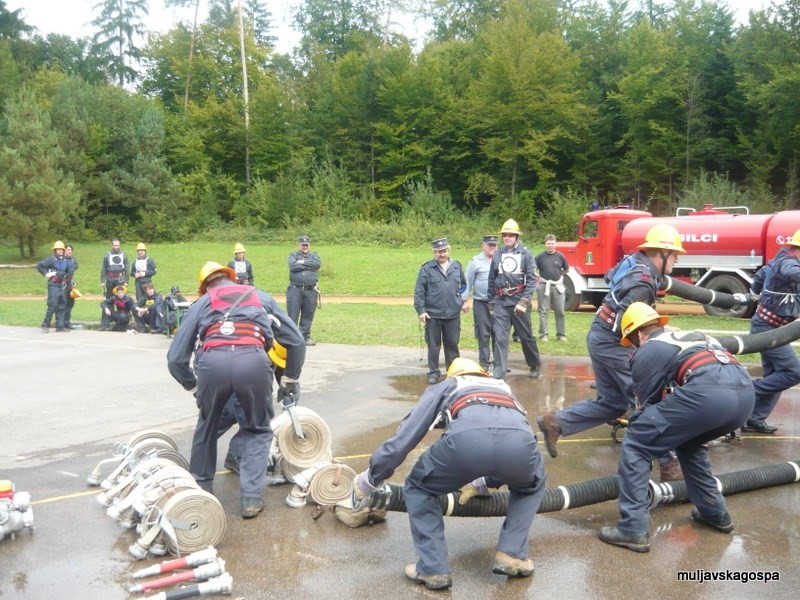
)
(303, 291)
(551, 266)
(478, 283)
(438, 301)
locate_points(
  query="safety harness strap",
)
(489, 398)
(227, 333)
(701, 359)
(771, 317)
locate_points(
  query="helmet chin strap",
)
(664, 256)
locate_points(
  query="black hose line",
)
(702, 295)
(584, 493)
(757, 342)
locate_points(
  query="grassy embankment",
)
(346, 271)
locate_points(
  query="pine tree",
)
(36, 198)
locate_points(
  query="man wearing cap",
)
(778, 284)
(551, 266)
(173, 304)
(478, 284)
(114, 270)
(439, 301)
(142, 270)
(241, 266)
(512, 282)
(303, 291)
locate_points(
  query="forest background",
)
(530, 109)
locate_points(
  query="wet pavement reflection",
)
(77, 552)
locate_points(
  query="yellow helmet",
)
(209, 269)
(238, 248)
(664, 237)
(277, 354)
(510, 226)
(465, 366)
(59, 245)
(792, 241)
(141, 246)
(636, 315)
(74, 293)
(120, 288)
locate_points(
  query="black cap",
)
(303, 239)
(175, 289)
(440, 244)
(490, 239)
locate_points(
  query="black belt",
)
(305, 287)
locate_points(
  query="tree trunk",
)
(191, 57)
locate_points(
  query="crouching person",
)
(117, 310)
(689, 391)
(486, 434)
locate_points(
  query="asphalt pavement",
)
(67, 398)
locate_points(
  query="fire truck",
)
(724, 248)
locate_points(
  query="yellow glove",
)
(475, 488)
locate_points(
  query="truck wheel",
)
(729, 284)
(572, 301)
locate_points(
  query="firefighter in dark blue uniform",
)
(512, 283)
(302, 294)
(488, 441)
(779, 303)
(234, 325)
(690, 391)
(56, 269)
(439, 303)
(635, 278)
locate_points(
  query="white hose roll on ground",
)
(332, 484)
(301, 453)
(196, 521)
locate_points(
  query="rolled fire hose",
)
(165, 481)
(16, 514)
(124, 449)
(298, 453)
(126, 484)
(189, 521)
(594, 491)
(134, 454)
(332, 484)
(702, 295)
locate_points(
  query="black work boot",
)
(232, 463)
(721, 522)
(251, 506)
(636, 542)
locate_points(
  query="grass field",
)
(346, 271)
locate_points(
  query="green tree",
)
(526, 101)
(12, 26)
(37, 200)
(120, 25)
